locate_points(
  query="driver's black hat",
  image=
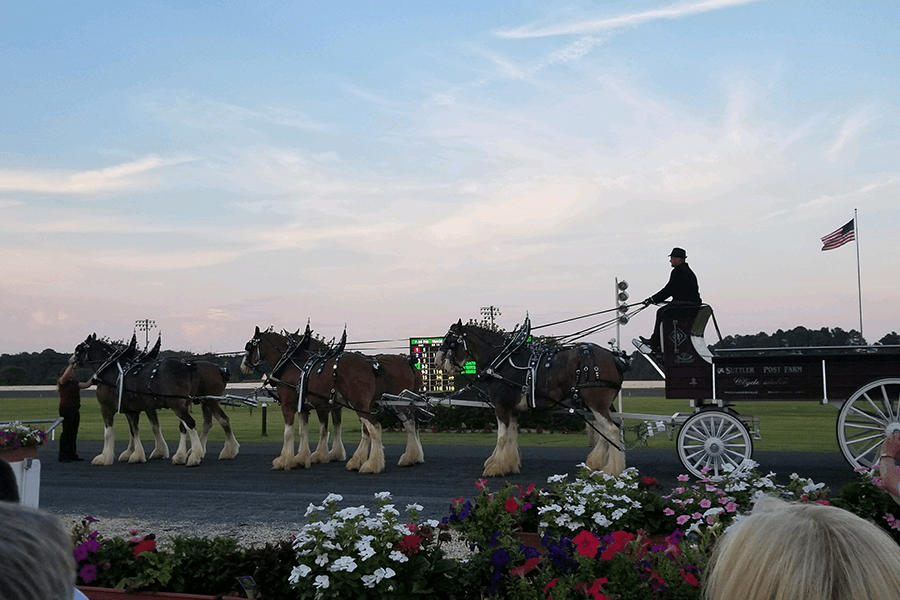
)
(678, 253)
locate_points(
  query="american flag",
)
(839, 237)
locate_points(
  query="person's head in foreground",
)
(35, 555)
(787, 551)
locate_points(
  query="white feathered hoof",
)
(102, 461)
(179, 458)
(125, 455)
(195, 458)
(162, 453)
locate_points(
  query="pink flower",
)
(456, 501)
(668, 511)
(711, 519)
(705, 503)
(711, 488)
(88, 573)
(480, 484)
(683, 477)
(682, 519)
(730, 507)
(679, 490)
(877, 482)
(696, 516)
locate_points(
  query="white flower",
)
(432, 523)
(713, 511)
(556, 478)
(382, 495)
(618, 513)
(332, 498)
(322, 560)
(369, 581)
(351, 512)
(389, 509)
(416, 507)
(322, 582)
(811, 487)
(376, 577)
(601, 520)
(298, 572)
(344, 563)
(312, 508)
(398, 556)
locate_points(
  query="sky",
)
(395, 166)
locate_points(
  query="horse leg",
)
(413, 454)
(362, 451)
(302, 458)
(161, 449)
(195, 456)
(375, 462)
(512, 457)
(337, 453)
(604, 456)
(321, 453)
(137, 455)
(207, 425)
(181, 454)
(493, 466)
(126, 453)
(106, 456)
(285, 460)
(231, 444)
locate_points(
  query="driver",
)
(682, 288)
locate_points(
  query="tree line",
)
(44, 368)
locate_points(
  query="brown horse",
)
(328, 381)
(520, 376)
(132, 386)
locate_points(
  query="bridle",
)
(452, 343)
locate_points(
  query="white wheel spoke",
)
(872, 404)
(866, 438)
(872, 447)
(887, 404)
(866, 415)
(735, 435)
(858, 425)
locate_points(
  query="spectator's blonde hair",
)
(36, 559)
(808, 551)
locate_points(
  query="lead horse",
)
(517, 375)
(128, 385)
(328, 380)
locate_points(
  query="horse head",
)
(263, 346)
(90, 350)
(454, 350)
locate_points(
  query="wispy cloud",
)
(675, 11)
(850, 129)
(125, 176)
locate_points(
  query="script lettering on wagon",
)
(746, 381)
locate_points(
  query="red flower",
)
(594, 590)
(457, 501)
(529, 565)
(620, 541)
(690, 578)
(410, 544)
(527, 491)
(511, 505)
(586, 543)
(824, 502)
(480, 484)
(147, 545)
(550, 585)
(649, 481)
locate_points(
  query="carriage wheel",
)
(867, 417)
(713, 439)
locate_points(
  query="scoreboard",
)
(434, 379)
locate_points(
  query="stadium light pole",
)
(489, 313)
(145, 325)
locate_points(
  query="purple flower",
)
(80, 552)
(495, 537)
(500, 558)
(91, 519)
(88, 573)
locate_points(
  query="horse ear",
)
(296, 333)
(257, 330)
(93, 336)
(308, 330)
(459, 323)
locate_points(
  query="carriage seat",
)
(697, 317)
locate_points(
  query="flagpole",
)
(858, 278)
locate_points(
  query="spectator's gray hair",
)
(35, 555)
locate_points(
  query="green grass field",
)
(788, 426)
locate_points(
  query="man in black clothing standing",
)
(69, 390)
(682, 288)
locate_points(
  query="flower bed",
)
(594, 536)
(19, 441)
